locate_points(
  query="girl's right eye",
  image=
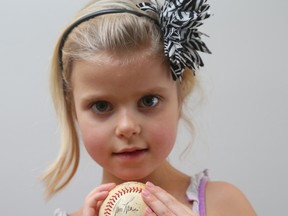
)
(101, 107)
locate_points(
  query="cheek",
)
(94, 140)
(164, 136)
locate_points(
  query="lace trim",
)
(58, 212)
(196, 192)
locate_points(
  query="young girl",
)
(120, 74)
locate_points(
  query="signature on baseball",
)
(124, 207)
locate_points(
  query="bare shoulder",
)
(225, 199)
(77, 213)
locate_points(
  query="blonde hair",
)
(116, 33)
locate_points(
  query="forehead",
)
(107, 68)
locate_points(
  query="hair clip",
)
(179, 21)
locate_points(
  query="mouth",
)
(131, 153)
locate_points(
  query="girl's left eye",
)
(149, 101)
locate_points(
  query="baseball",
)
(124, 199)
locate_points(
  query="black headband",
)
(90, 16)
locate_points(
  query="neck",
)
(165, 176)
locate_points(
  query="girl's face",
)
(127, 113)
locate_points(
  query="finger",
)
(103, 187)
(95, 198)
(156, 205)
(149, 212)
(92, 203)
(98, 194)
(163, 203)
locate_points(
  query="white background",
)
(241, 122)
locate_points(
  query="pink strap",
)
(202, 197)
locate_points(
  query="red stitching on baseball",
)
(118, 194)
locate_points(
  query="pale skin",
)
(128, 116)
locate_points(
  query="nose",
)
(127, 125)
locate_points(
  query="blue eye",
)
(102, 106)
(149, 101)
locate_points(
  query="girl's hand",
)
(95, 198)
(162, 203)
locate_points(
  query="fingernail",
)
(149, 184)
(145, 193)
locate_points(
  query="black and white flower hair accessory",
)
(179, 21)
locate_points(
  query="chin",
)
(132, 176)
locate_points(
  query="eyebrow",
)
(156, 89)
(152, 90)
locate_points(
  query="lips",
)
(131, 153)
(130, 150)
